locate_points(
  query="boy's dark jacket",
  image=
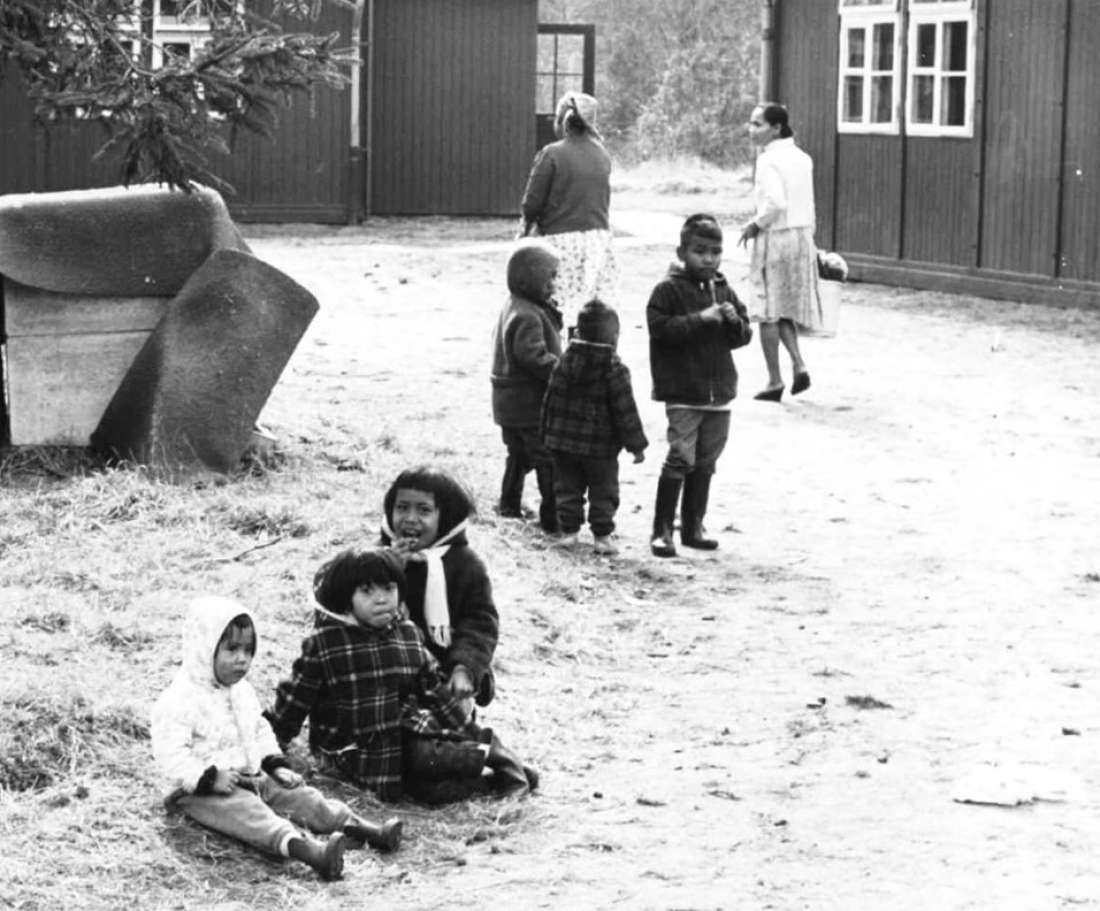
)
(589, 408)
(690, 359)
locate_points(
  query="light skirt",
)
(785, 281)
(588, 269)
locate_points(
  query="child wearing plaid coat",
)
(380, 711)
(588, 415)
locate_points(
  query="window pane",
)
(571, 53)
(856, 39)
(953, 103)
(546, 53)
(882, 46)
(853, 99)
(544, 95)
(926, 45)
(954, 46)
(882, 98)
(922, 99)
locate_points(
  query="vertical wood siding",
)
(453, 121)
(1024, 96)
(940, 220)
(868, 194)
(1081, 168)
(806, 33)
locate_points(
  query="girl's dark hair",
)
(336, 581)
(242, 623)
(454, 501)
(776, 115)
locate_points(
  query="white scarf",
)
(437, 612)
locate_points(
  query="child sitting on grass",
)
(221, 762)
(448, 593)
(588, 415)
(379, 709)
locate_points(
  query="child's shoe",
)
(386, 837)
(327, 858)
(604, 546)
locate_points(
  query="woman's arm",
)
(538, 189)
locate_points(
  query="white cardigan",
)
(783, 191)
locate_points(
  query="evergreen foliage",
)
(92, 60)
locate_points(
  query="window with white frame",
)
(178, 28)
(869, 84)
(938, 80)
(941, 68)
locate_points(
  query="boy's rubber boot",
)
(509, 774)
(692, 511)
(327, 858)
(385, 837)
(664, 515)
(511, 488)
(548, 508)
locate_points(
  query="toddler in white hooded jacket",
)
(219, 759)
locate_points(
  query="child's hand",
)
(639, 456)
(460, 683)
(288, 778)
(729, 312)
(748, 233)
(225, 781)
(713, 314)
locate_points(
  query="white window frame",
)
(194, 30)
(865, 15)
(907, 16)
(937, 13)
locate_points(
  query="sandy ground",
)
(902, 614)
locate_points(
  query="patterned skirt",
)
(588, 269)
(784, 274)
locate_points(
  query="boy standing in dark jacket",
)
(526, 346)
(694, 321)
(588, 415)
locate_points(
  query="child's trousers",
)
(268, 817)
(696, 438)
(573, 475)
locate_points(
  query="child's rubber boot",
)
(326, 857)
(509, 774)
(385, 837)
(664, 515)
(694, 508)
(548, 508)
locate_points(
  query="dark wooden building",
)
(441, 119)
(956, 142)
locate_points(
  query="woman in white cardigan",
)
(784, 258)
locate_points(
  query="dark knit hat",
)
(597, 322)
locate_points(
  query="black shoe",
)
(800, 384)
(770, 395)
(386, 837)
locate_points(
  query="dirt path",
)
(918, 530)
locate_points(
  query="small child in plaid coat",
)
(588, 415)
(380, 711)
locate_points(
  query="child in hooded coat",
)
(526, 346)
(219, 759)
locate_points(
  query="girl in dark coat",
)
(449, 595)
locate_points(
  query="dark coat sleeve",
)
(624, 409)
(475, 624)
(739, 331)
(666, 325)
(296, 696)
